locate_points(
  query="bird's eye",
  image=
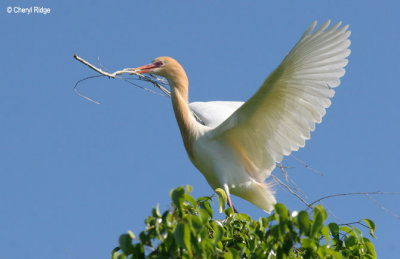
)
(158, 63)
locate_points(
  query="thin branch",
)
(285, 174)
(290, 190)
(98, 70)
(290, 181)
(352, 193)
(355, 222)
(157, 82)
(81, 95)
(127, 80)
(306, 165)
(383, 208)
(99, 61)
(310, 205)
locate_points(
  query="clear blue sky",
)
(75, 175)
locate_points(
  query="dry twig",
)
(290, 190)
(306, 165)
(353, 193)
(382, 207)
(156, 81)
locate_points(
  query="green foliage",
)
(188, 230)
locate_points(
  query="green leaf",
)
(177, 196)
(317, 223)
(371, 226)
(207, 207)
(191, 200)
(204, 198)
(204, 215)
(281, 211)
(263, 222)
(321, 210)
(138, 252)
(357, 235)
(308, 243)
(189, 188)
(218, 232)
(350, 241)
(131, 234)
(228, 255)
(325, 232)
(370, 247)
(334, 228)
(229, 212)
(182, 236)
(115, 253)
(304, 222)
(243, 217)
(347, 230)
(221, 199)
(233, 254)
(125, 243)
(196, 223)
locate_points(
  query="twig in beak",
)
(157, 82)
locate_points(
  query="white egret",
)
(237, 144)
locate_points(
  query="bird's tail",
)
(258, 193)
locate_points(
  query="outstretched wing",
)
(279, 117)
(214, 113)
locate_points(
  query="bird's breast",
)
(217, 162)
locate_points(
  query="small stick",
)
(291, 191)
(92, 67)
(306, 165)
(382, 207)
(132, 71)
(110, 75)
(353, 193)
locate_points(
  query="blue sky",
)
(75, 175)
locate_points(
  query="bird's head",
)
(162, 66)
(166, 67)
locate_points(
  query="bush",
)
(188, 230)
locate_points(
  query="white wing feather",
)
(214, 113)
(278, 118)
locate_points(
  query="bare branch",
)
(157, 82)
(355, 222)
(306, 165)
(291, 183)
(310, 205)
(352, 193)
(81, 95)
(383, 208)
(110, 75)
(290, 190)
(98, 70)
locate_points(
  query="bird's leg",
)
(230, 204)
(228, 196)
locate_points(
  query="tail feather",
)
(258, 193)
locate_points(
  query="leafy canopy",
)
(188, 230)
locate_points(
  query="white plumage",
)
(214, 113)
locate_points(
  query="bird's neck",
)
(187, 124)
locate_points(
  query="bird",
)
(236, 145)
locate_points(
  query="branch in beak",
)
(148, 68)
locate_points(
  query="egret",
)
(236, 145)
